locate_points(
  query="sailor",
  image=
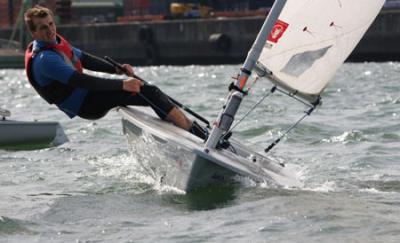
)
(55, 69)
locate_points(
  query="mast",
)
(227, 115)
(19, 24)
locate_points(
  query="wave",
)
(9, 226)
(380, 186)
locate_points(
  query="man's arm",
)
(89, 82)
(94, 63)
(95, 83)
(53, 67)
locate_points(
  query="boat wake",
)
(126, 173)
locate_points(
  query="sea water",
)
(89, 189)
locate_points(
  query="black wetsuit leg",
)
(98, 103)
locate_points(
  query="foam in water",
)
(346, 137)
(371, 190)
(327, 186)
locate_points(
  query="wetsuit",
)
(77, 94)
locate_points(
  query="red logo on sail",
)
(277, 31)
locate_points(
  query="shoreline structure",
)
(206, 41)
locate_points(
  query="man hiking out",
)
(55, 69)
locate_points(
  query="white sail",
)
(312, 39)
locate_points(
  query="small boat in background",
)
(29, 134)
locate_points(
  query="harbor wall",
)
(207, 41)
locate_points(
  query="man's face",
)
(45, 29)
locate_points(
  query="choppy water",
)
(88, 190)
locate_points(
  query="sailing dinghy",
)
(29, 134)
(299, 48)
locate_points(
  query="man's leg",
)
(178, 118)
(174, 114)
(97, 104)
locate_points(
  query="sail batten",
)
(312, 39)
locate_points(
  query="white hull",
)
(180, 160)
(23, 133)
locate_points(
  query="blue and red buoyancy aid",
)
(55, 92)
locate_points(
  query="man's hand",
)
(127, 69)
(132, 85)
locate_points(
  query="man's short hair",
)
(36, 12)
